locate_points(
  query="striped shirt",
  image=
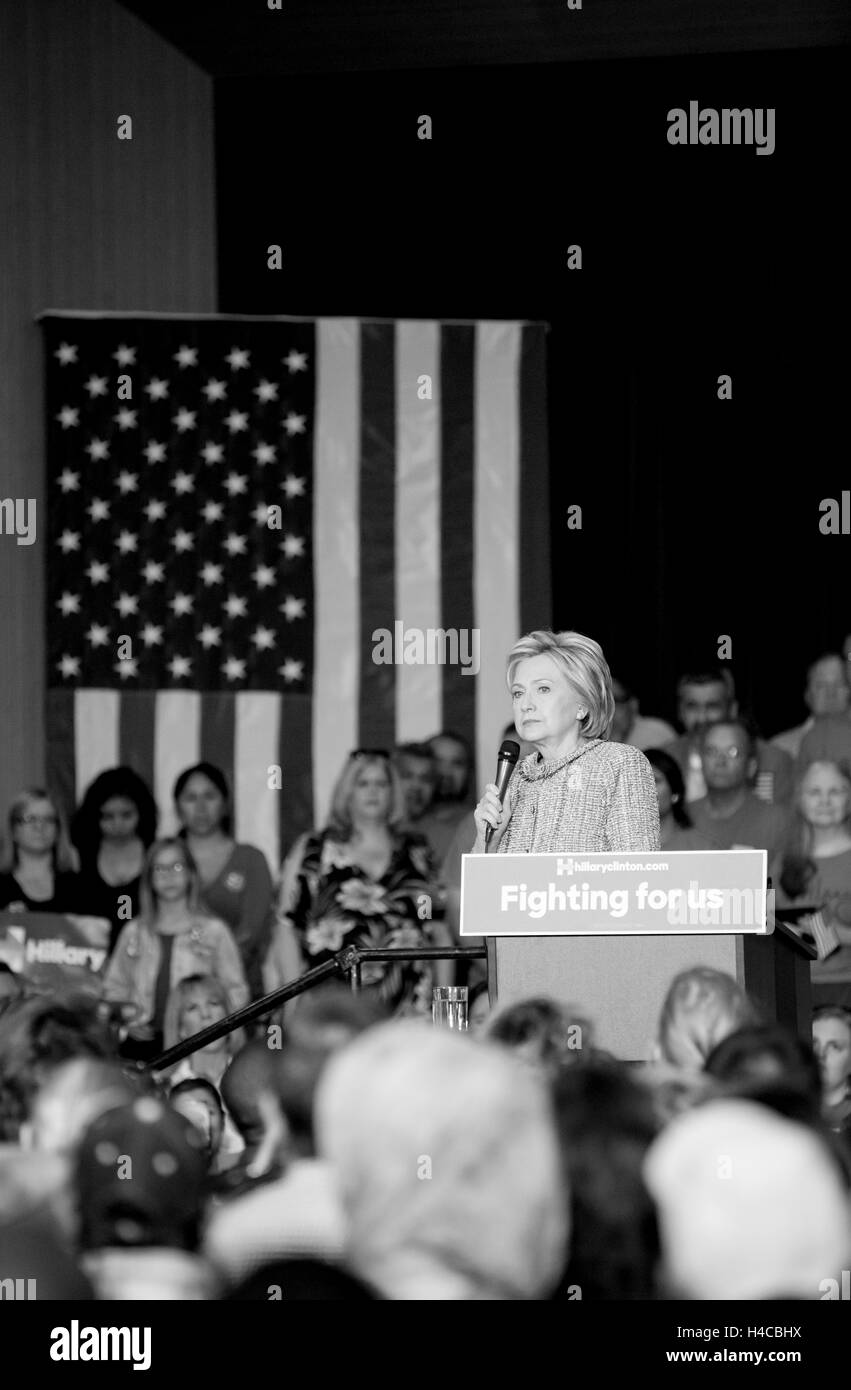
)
(601, 797)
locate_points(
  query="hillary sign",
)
(705, 892)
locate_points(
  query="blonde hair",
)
(65, 858)
(179, 997)
(148, 906)
(583, 666)
(340, 816)
(702, 1007)
(448, 1162)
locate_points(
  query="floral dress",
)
(333, 903)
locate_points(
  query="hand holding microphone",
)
(488, 814)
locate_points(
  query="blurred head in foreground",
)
(751, 1205)
(448, 1165)
(701, 1007)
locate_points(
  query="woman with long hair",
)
(113, 829)
(38, 866)
(361, 881)
(170, 939)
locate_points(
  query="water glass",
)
(449, 1007)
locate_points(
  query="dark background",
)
(700, 516)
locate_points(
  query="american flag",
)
(236, 506)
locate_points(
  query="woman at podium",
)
(577, 793)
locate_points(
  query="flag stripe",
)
(294, 756)
(96, 729)
(136, 732)
(177, 745)
(336, 546)
(418, 687)
(535, 575)
(60, 754)
(377, 719)
(217, 738)
(256, 744)
(457, 361)
(496, 517)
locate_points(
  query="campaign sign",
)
(31, 939)
(701, 892)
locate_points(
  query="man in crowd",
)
(730, 814)
(418, 774)
(452, 800)
(706, 698)
(630, 726)
(826, 695)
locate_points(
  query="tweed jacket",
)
(208, 948)
(600, 797)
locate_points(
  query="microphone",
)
(509, 752)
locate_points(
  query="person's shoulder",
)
(771, 755)
(246, 856)
(623, 757)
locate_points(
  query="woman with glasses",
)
(362, 881)
(169, 940)
(234, 879)
(38, 864)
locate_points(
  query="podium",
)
(620, 983)
(619, 928)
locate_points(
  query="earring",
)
(580, 714)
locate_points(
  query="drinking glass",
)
(449, 1007)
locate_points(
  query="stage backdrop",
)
(188, 619)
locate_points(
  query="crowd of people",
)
(348, 1149)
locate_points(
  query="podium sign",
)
(32, 939)
(703, 892)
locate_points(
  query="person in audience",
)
(706, 698)
(417, 771)
(676, 831)
(448, 1166)
(541, 1032)
(170, 939)
(826, 694)
(36, 1035)
(234, 879)
(114, 828)
(761, 1060)
(701, 1008)
(629, 726)
(578, 792)
(814, 869)
(38, 865)
(139, 1183)
(298, 1214)
(731, 814)
(200, 1103)
(606, 1123)
(750, 1205)
(196, 1002)
(71, 1095)
(362, 881)
(832, 1044)
(451, 802)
